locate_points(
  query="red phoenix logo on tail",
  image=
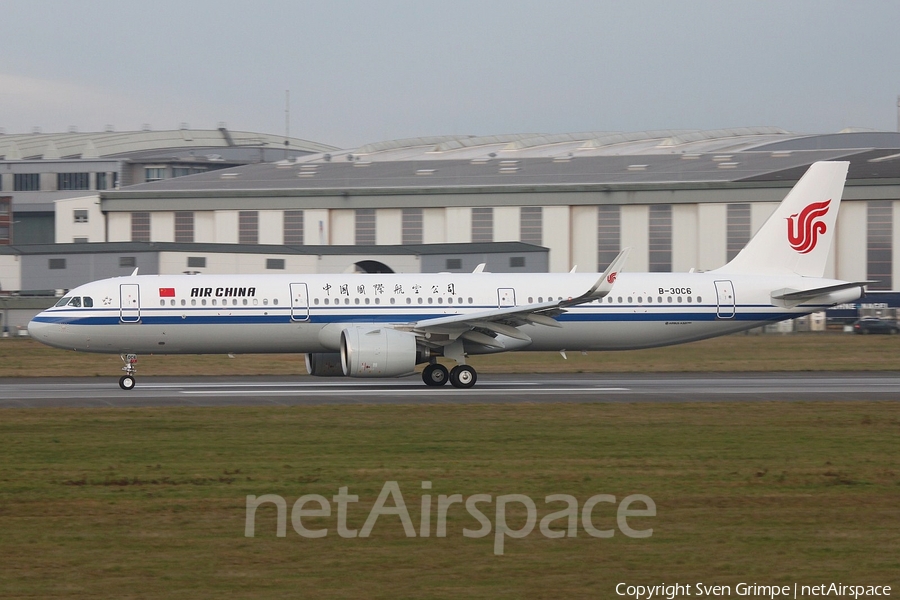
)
(804, 229)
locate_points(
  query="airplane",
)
(384, 325)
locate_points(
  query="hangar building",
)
(680, 199)
(37, 168)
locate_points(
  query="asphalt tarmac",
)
(289, 391)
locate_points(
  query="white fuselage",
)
(199, 314)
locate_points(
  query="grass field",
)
(151, 502)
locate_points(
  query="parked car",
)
(875, 325)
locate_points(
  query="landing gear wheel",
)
(126, 382)
(463, 376)
(435, 375)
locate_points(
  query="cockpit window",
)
(76, 302)
(88, 302)
(64, 300)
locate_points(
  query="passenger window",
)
(215, 302)
(393, 300)
(172, 302)
(162, 302)
(630, 299)
(193, 302)
(699, 300)
(265, 301)
(409, 300)
(275, 301)
(420, 300)
(203, 302)
(430, 300)
(183, 302)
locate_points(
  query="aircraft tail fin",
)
(797, 238)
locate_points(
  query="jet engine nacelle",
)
(324, 364)
(377, 352)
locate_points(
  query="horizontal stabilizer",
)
(790, 298)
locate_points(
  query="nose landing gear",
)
(127, 381)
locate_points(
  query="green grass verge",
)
(796, 352)
(150, 503)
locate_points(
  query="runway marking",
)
(401, 391)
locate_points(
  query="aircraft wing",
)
(481, 327)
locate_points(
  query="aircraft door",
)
(299, 302)
(506, 297)
(725, 300)
(129, 303)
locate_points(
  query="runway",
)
(290, 391)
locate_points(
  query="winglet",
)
(604, 284)
(480, 268)
(133, 273)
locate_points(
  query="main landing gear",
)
(462, 376)
(127, 381)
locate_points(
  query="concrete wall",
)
(80, 269)
(10, 272)
(67, 230)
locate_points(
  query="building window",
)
(660, 238)
(196, 262)
(140, 227)
(412, 226)
(454, 263)
(516, 262)
(102, 181)
(531, 225)
(27, 182)
(365, 226)
(482, 225)
(248, 227)
(57, 263)
(609, 232)
(738, 228)
(4, 234)
(275, 263)
(183, 171)
(80, 240)
(293, 227)
(81, 216)
(127, 262)
(184, 226)
(879, 246)
(73, 181)
(154, 174)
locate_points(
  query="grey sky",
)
(366, 71)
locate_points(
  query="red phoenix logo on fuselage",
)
(611, 278)
(804, 228)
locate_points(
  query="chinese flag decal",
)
(166, 292)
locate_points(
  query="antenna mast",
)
(287, 121)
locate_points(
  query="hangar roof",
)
(138, 247)
(131, 144)
(522, 161)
